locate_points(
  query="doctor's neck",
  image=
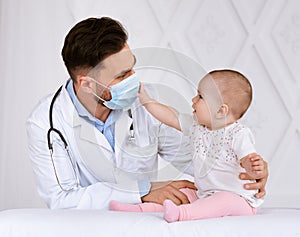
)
(101, 112)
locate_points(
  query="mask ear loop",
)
(99, 83)
(98, 97)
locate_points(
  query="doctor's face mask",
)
(123, 94)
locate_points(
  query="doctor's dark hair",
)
(90, 41)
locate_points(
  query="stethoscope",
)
(131, 137)
(50, 146)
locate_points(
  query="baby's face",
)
(201, 111)
(206, 103)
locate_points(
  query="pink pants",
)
(217, 205)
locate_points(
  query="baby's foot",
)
(118, 206)
(171, 211)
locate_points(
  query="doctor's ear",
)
(223, 111)
(85, 84)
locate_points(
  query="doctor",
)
(91, 141)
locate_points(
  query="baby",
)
(222, 147)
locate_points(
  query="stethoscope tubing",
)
(50, 145)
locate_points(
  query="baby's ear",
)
(222, 111)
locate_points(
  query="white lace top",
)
(217, 155)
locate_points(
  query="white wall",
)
(260, 38)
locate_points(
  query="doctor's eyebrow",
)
(123, 73)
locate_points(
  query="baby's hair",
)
(235, 89)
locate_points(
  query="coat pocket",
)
(138, 161)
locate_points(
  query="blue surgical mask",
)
(123, 94)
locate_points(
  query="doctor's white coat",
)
(103, 174)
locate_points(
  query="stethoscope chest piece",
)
(131, 136)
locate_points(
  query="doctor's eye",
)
(124, 75)
(121, 77)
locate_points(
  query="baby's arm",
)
(161, 112)
(254, 166)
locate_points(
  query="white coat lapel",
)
(90, 133)
(87, 131)
(99, 161)
(94, 150)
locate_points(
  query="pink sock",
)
(171, 211)
(118, 206)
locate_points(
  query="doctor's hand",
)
(161, 191)
(260, 182)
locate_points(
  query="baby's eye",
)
(200, 96)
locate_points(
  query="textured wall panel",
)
(260, 38)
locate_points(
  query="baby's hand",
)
(254, 165)
(143, 95)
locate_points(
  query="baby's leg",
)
(190, 193)
(217, 205)
(142, 207)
